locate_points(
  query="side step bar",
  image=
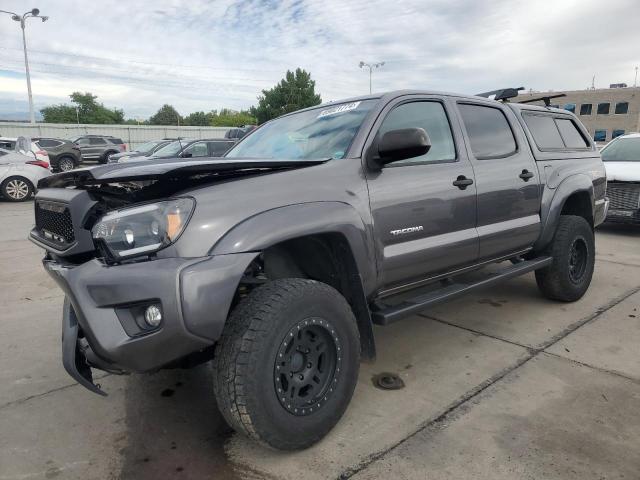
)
(421, 302)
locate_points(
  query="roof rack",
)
(503, 94)
(546, 99)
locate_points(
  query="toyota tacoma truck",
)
(275, 262)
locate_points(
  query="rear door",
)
(91, 147)
(424, 224)
(507, 179)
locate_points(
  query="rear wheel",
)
(66, 164)
(16, 189)
(573, 251)
(287, 363)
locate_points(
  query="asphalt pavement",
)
(500, 384)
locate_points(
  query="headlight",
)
(143, 229)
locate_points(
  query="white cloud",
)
(200, 55)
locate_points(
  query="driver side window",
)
(430, 116)
(196, 150)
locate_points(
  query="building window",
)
(585, 109)
(603, 108)
(600, 136)
(570, 107)
(622, 108)
(617, 133)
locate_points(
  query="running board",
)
(390, 314)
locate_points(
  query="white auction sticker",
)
(345, 107)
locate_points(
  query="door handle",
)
(462, 182)
(526, 175)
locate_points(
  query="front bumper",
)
(623, 216)
(99, 330)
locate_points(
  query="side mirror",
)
(401, 144)
(187, 155)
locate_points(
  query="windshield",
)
(146, 147)
(622, 150)
(323, 132)
(171, 149)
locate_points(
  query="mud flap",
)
(72, 358)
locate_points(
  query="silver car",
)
(19, 175)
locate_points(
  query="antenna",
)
(635, 82)
(593, 82)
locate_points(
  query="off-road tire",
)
(558, 281)
(17, 189)
(246, 358)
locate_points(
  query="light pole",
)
(33, 13)
(370, 66)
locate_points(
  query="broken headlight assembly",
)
(142, 229)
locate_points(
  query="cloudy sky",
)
(208, 54)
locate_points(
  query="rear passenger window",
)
(489, 131)
(96, 141)
(570, 134)
(553, 133)
(544, 131)
(430, 116)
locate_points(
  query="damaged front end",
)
(136, 307)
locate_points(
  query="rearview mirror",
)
(401, 144)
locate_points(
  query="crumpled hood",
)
(169, 168)
(623, 171)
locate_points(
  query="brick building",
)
(606, 112)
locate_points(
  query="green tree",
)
(231, 118)
(197, 119)
(84, 109)
(295, 91)
(167, 115)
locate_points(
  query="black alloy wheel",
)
(307, 366)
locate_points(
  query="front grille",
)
(53, 222)
(623, 196)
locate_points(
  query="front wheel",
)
(573, 251)
(16, 189)
(287, 363)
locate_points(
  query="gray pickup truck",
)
(275, 261)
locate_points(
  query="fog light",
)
(153, 316)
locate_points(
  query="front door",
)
(424, 224)
(507, 179)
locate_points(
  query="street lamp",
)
(33, 13)
(370, 66)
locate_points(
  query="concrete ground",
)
(500, 384)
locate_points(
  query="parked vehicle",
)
(188, 148)
(99, 147)
(19, 175)
(622, 161)
(145, 150)
(34, 150)
(63, 154)
(239, 132)
(277, 260)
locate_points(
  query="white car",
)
(9, 143)
(621, 159)
(19, 175)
